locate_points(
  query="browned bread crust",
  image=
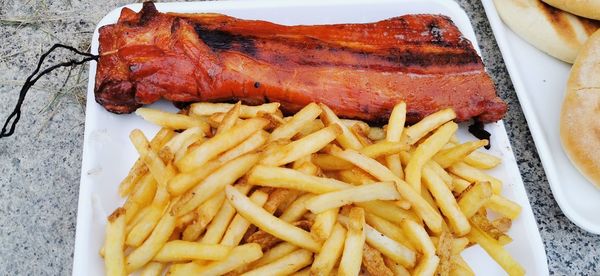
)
(580, 115)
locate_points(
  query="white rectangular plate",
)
(108, 155)
(540, 82)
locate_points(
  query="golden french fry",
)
(275, 120)
(422, 208)
(309, 168)
(425, 151)
(144, 254)
(144, 227)
(384, 148)
(225, 175)
(273, 147)
(394, 133)
(179, 251)
(459, 185)
(474, 198)
(286, 131)
(419, 237)
(302, 147)
(387, 246)
(300, 161)
(230, 118)
(458, 245)
(161, 172)
(161, 196)
(277, 198)
(355, 240)
(215, 119)
(291, 179)
(395, 267)
(361, 135)
(364, 127)
(239, 225)
(396, 123)
(254, 142)
(355, 176)
(441, 173)
(368, 192)
(239, 256)
(136, 219)
(427, 265)
(207, 109)
(275, 253)
(220, 143)
(268, 241)
(373, 262)
(153, 269)
(182, 182)
(309, 128)
(496, 251)
(204, 215)
(217, 227)
(429, 199)
(474, 175)
(482, 160)
(457, 153)
(296, 210)
(446, 202)
(287, 202)
(504, 240)
(485, 225)
(142, 195)
(394, 164)
(285, 265)
(270, 223)
(376, 133)
(417, 131)
(388, 211)
(171, 120)
(329, 162)
(303, 272)
(331, 251)
(114, 244)
(389, 229)
(139, 169)
(503, 206)
(323, 225)
(402, 204)
(346, 139)
(183, 139)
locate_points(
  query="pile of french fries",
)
(235, 189)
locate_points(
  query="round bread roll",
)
(557, 33)
(585, 8)
(580, 115)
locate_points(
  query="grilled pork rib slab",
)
(360, 70)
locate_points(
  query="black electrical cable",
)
(14, 117)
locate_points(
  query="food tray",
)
(108, 154)
(540, 83)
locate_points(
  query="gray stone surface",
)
(40, 164)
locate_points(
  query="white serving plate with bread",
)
(540, 83)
